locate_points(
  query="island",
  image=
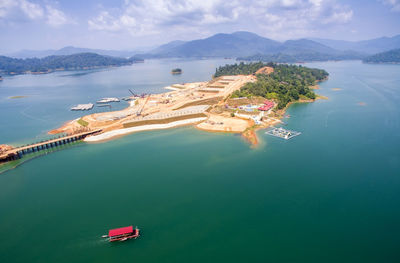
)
(240, 98)
(80, 61)
(176, 71)
(1, 78)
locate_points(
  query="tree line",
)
(69, 62)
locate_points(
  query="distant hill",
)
(292, 47)
(70, 51)
(65, 62)
(391, 56)
(26, 53)
(371, 46)
(166, 47)
(220, 45)
(303, 56)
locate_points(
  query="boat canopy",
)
(120, 231)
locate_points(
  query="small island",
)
(176, 71)
(1, 78)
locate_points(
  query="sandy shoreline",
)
(111, 134)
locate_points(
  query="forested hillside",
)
(51, 63)
(287, 83)
(391, 56)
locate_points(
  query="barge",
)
(122, 234)
(82, 107)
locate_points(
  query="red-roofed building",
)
(267, 105)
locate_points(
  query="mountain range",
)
(245, 45)
(372, 46)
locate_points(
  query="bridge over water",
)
(18, 152)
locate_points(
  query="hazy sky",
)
(129, 24)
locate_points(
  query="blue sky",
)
(132, 24)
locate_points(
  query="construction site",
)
(205, 104)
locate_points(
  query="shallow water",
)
(328, 195)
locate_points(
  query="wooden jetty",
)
(17, 153)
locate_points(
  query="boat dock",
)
(18, 152)
(283, 133)
(82, 107)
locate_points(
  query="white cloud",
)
(294, 17)
(395, 4)
(56, 17)
(33, 11)
(6, 6)
(149, 17)
(15, 11)
(104, 21)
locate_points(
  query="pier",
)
(19, 152)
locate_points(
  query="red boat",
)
(123, 233)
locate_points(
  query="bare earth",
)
(220, 123)
(203, 104)
(265, 70)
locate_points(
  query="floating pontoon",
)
(88, 106)
(282, 133)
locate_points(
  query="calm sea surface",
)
(329, 195)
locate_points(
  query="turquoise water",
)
(329, 195)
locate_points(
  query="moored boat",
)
(107, 100)
(122, 234)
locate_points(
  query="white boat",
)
(107, 100)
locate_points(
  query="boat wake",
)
(89, 243)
